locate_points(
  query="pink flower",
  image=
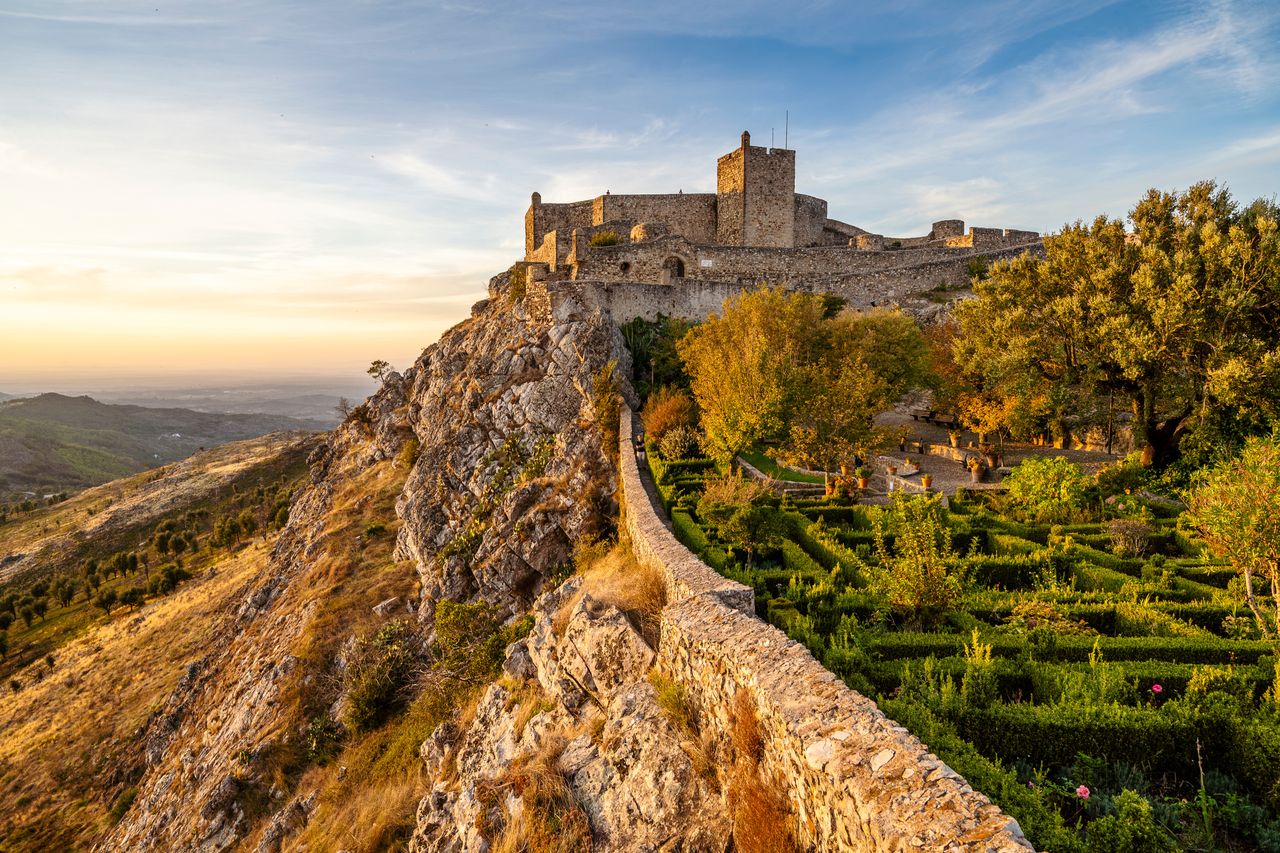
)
(1157, 689)
(1082, 792)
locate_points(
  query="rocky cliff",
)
(489, 450)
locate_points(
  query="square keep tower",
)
(755, 196)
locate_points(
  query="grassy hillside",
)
(54, 443)
(80, 681)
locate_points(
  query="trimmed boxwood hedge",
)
(1201, 650)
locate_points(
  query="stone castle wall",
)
(855, 780)
(864, 277)
(769, 210)
(811, 223)
(693, 215)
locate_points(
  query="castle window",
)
(674, 266)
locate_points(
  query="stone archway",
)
(672, 268)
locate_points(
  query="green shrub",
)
(519, 281)
(921, 577)
(1131, 829)
(376, 679)
(605, 238)
(1140, 620)
(689, 533)
(742, 512)
(1091, 577)
(1047, 489)
(1054, 734)
(797, 561)
(1007, 544)
(122, 804)
(678, 443)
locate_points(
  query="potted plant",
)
(864, 477)
(989, 451)
(954, 435)
(976, 469)
(926, 480)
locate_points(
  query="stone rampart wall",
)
(755, 264)
(655, 545)
(692, 215)
(856, 780)
(810, 222)
(732, 269)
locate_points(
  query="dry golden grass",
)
(552, 820)
(612, 575)
(63, 740)
(762, 822)
(532, 702)
(697, 745)
(747, 736)
(372, 807)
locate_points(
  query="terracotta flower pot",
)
(926, 480)
(862, 482)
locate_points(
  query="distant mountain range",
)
(52, 443)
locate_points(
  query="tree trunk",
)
(1273, 572)
(1252, 602)
(1159, 437)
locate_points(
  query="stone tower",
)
(755, 196)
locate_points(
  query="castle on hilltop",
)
(755, 227)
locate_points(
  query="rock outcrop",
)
(579, 708)
(510, 470)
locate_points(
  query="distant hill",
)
(53, 443)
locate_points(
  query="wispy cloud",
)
(356, 172)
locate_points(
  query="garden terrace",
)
(1094, 690)
(855, 779)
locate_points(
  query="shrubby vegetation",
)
(1039, 659)
(104, 583)
(1098, 660)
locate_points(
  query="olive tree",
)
(1178, 320)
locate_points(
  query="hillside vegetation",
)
(53, 443)
(113, 595)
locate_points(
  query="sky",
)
(302, 187)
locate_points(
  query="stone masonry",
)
(855, 780)
(755, 228)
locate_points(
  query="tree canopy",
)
(777, 368)
(1236, 507)
(1178, 320)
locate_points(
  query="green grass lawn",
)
(768, 466)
